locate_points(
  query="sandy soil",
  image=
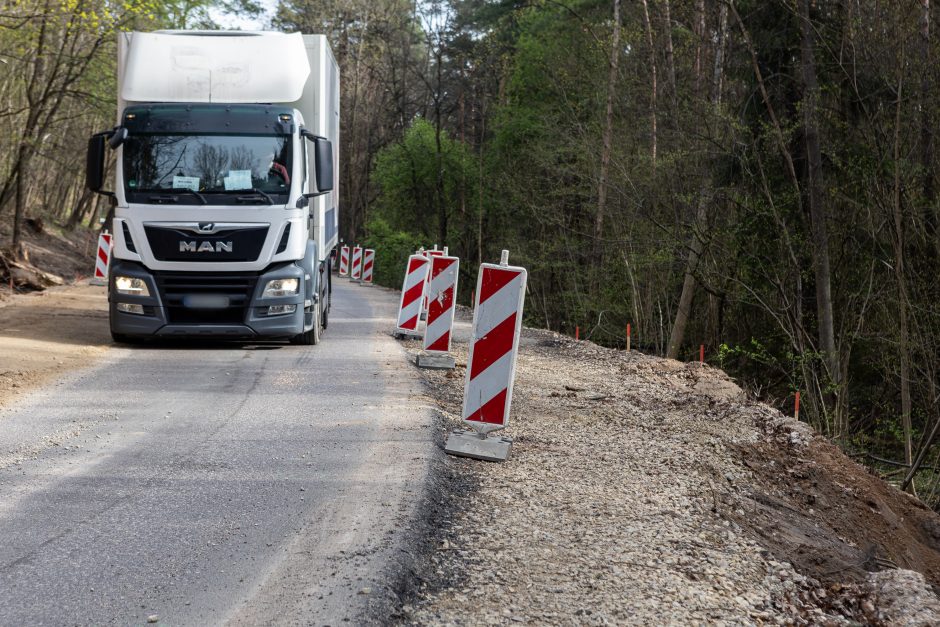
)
(45, 334)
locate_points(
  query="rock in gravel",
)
(904, 598)
(153, 618)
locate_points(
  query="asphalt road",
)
(240, 484)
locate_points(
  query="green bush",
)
(392, 249)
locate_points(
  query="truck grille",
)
(174, 287)
(242, 244)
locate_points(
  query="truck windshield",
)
(250, 168)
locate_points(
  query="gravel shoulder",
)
(648, 491)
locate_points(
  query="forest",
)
(752, 176)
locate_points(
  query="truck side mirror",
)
(94, 159)
(94, 163)
(323, 160)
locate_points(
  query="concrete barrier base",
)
(435, 362)
(476, 446)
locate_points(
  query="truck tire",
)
(311, 337)
(329, 300)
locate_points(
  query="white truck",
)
(225, 209)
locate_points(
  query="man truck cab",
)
(226, 212)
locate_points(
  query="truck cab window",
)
(216, 166)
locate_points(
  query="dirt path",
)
(45, 334)
(647, 491)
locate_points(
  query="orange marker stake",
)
(628, 337)
(796, 406)
(701, 354)
(577, 333)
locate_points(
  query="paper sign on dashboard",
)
(186, 182)
(238, 179)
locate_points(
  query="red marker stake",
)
(701, 354)
(577, 333)
(796, 406)
(628, 337)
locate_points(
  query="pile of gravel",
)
(611, 507)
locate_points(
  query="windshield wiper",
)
(186, 190)
(162, 198)
(255, 193)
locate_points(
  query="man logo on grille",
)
(205, 247)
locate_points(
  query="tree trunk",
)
(19, 205)
(904, 339)
(698, 28)
(671, 65)
(34, 97)
(697, 244)
(649, 38)
(814, 195)
(80, 208)
(439, 155)
(606, 139)
(926, 127)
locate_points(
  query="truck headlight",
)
(131, 308)
(281, 287)
(131, 285)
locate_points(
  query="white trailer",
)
(225, 209)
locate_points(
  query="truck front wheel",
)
(311, 337)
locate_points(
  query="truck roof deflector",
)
(262, 67)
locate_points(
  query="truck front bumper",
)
(205, 304)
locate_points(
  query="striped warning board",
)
(356, 272)
(411, 292)
(368, 265)
(102, 260)
(497, 321)
(344, 261)
(442, 287)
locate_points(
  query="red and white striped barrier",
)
(356, 273)
(344, 261)
(442, 287)
(102, 260)
(491, 366)
(368, 265)
(412, 291)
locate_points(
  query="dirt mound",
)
(53, 257)
(826, 514)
